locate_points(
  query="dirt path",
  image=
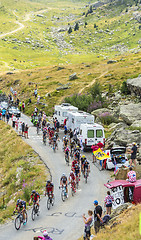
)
(21, 25)
(90, 84)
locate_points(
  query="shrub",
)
(76, 27)
(70, 30)
(94, 105)
(106, 118)
(96, 91)
(124, 88)
(80, 101)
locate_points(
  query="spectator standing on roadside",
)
(87, 221)
(23, 106)
(26, 131)
(20, 128)
(13, 120)
(7, 117)
(17, 123)
(3, 114)
(133, 154)
(97, 216)
(94, 148)
(23, 126)
(35, 92)
(65, 130)
(20, 105)
(108, 202)
(57, 125)
(17, 102)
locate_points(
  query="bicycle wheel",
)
(33, 213)
(63, 196)
(86, 177)
(72, 192)
(17, 222)
(53, 200)
(48, 203)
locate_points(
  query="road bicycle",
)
(86, 175)
(67, 159)
(77, 181)
(50, 200)
(35, 211)
(72, 188)
(54, 146)
(19, 220)
(63, 193)
(44, 140)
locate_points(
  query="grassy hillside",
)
(21, 171)
(125, 227)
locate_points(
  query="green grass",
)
(21, 171)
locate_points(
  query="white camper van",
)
(75, 119)
(91, 134)
(61, 111)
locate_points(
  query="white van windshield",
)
(99, 133)
(64, 114)
(90, 134)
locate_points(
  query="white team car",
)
(118, 157)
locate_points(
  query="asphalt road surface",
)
(64, 220)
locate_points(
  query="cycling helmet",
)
(33, 191)
(77, 147)
(18, 201)
(48, 181)
(63, 174)
(95, 202)
(83, 156)
(71, 172)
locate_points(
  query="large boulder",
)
(130, 113)
(123, 137)
(134, 85)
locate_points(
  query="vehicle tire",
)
(63, 196)
(48, 203)
(33, 214)
(17, 222)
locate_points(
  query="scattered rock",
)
(73, 76)
(16, 82)
(60, 68)
(134, 85)
(130, 113)
(9, 73)
(111, 61)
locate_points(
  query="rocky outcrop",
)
(130, 113)
(134, 85)
(73, 76)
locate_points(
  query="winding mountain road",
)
(64, 220)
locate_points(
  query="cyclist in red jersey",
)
(72, 180)
(35, 197)
(49, 188)
(74, 163)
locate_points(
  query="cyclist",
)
(67, 150)
(49, 188)
(35, 197)
(77, 153)
(21, 207)
(72, 144)
(74, 163)
(65, 142)
(72, 180)
(54, 141)
(83, 158)
(44, 133)
(86, 165)
(77, 170)
(64, 181)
